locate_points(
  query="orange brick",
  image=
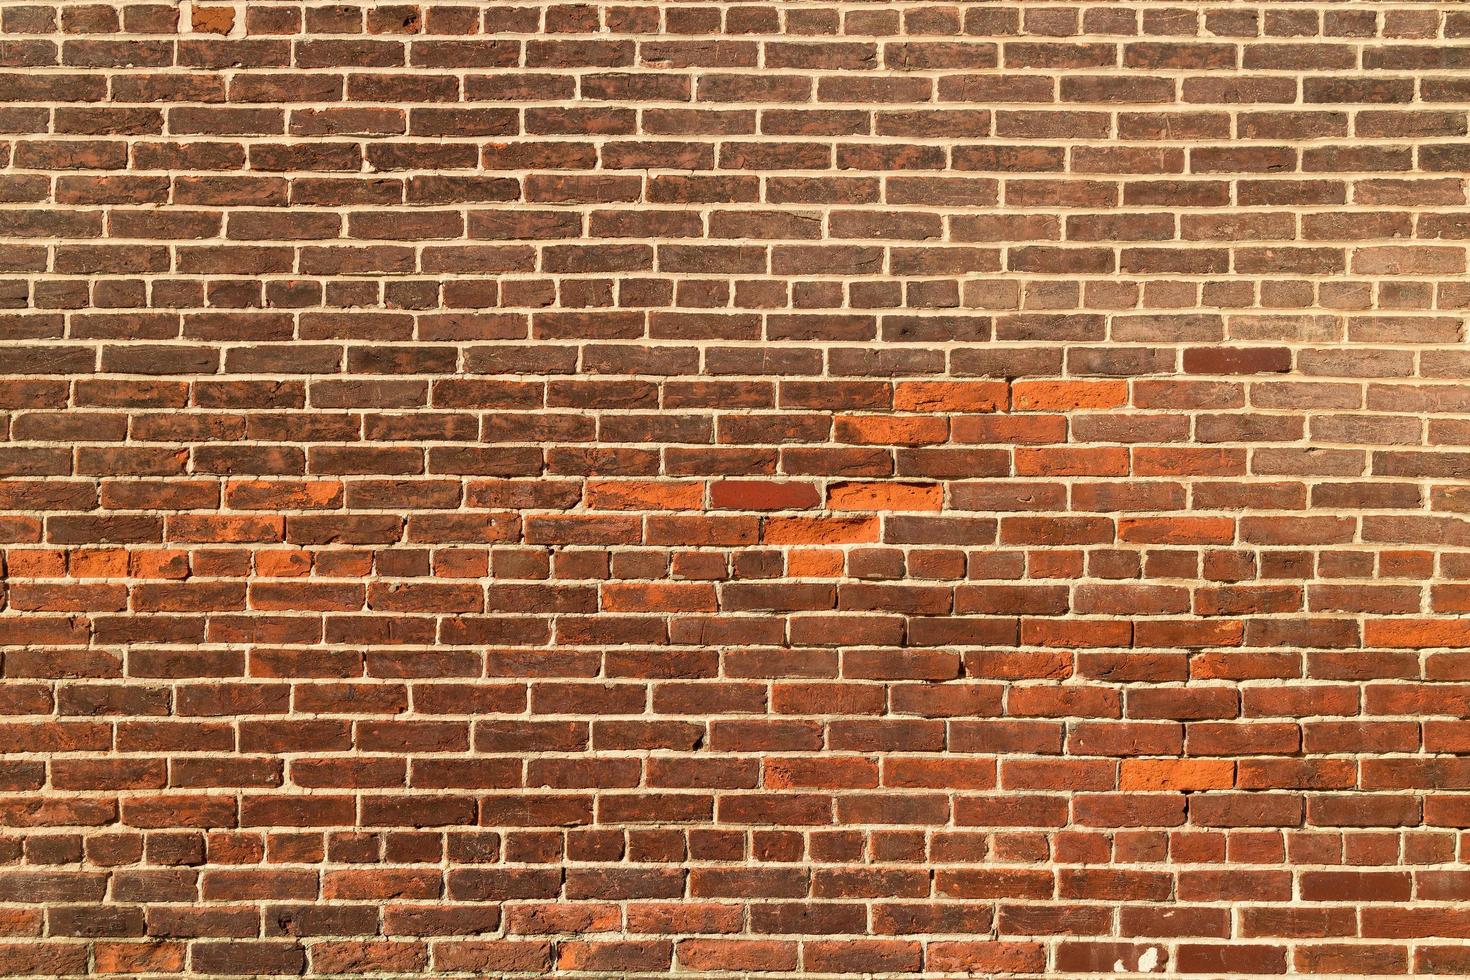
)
(212, 20)
(814, 563)
(643, 495)
(819, 530)
(1177, 530)
(664, 597)
(1066, 396)
(159, 563)
(99, 563)
(282, 564)
(283, 494)
(35, 563)
(1417, 633)
(1175, 775)
(885, 496)
(139, 957)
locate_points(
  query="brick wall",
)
(785, 487)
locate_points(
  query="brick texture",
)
(735, 488)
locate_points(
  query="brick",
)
(1163, 774)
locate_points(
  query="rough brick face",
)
(734, 488)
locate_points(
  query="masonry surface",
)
(734, 488)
